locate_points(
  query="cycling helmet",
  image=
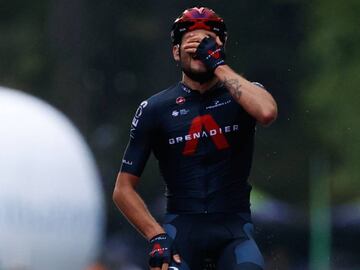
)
(198, 18)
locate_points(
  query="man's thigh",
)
(242, 254)
(192, 242)
(180, 229)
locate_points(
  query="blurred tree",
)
(25, 61)
(331, 92)
(97, 61)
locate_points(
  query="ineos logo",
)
(135, 120)
(138, 113)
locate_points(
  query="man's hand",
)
(210, 53)
(162, 251)
(207, 47)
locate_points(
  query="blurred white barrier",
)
(51, 201)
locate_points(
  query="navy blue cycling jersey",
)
(203, 143)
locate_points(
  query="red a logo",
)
(213, 130)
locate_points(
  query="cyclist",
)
(201, 130)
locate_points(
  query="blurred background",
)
(95, 61)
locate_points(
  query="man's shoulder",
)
(157, 102)
(164, 96)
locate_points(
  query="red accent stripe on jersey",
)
(196, 126)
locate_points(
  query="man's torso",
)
(204, 145)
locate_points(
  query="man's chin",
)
(200, 77)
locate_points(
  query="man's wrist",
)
(158, 236)
(223, 71)
(161, 248)
(154, 233)
(220, 69)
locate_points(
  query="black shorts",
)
(214, 241)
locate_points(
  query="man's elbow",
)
(268, 116)
(116, 195)
(118, 192)
(125, 185)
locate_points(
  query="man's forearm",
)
(255, 100)
(134, 209)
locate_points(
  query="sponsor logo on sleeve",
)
(136, 118)
(127, 162)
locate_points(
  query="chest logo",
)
(211, 128)
(217, 103)
(180, 100)
(176, 113)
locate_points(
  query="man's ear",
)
(176, 52)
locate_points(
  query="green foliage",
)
(331, 93)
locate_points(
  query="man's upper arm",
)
(126, 180)
(140, 143)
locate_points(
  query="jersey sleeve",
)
(259, 84)
(140, 143)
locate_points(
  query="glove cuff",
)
(160, 236)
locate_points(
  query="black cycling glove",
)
(210, 53)
(161, 250)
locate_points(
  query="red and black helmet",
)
(198, 18)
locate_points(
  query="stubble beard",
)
(198, 76)
(201, 77)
